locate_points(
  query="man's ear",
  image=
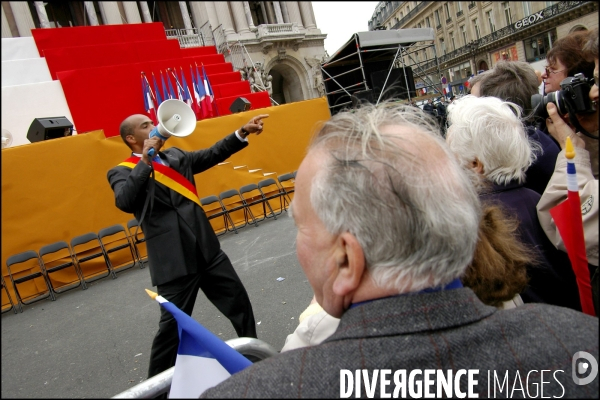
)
(130, 139)
(351, 265)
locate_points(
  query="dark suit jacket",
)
(179, 237)
(448, 330)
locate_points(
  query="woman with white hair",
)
(488, 137)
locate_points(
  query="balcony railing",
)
(471, 5)
(411, 14)
(549, 12)
(439, 26)
(459, 13)
(449, 20)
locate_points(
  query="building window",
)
(427, 22)
(452, 41)
(549, 3)
(401, 15)
(418, 25)
(458, 6)
(537, 46)
(463, 31)
(507, 14)
(490, 18)
(526, 8)
(437, 18)
(476, 29)
(443, 46)
(447, 10)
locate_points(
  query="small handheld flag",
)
(164, 87)
(568, 220)
(203, 360)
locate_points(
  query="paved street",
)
(96, 342)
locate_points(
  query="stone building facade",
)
(275, 44)
(471, 36)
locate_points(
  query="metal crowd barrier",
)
(254, 349)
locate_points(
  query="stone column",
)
(306, 13)
(212, 14)
(42, 15)
(241, 23)
(131, 12)
(249, 16)
(284, 12)
(224, 16)
(199, 13)
(187, 23)
(294, 12)
(6, 33)
(91, 12)
(278, 14)
(270, 13)
(110, 12)
(145, 11)
(23, 18)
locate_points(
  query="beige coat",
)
(556, 192)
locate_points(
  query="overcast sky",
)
(339, 20)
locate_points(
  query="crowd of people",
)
(425, 251)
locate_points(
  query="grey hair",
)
(391, 181)
(491, 131)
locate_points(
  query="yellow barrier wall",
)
(57, 189)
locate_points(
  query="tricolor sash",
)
(168, 177)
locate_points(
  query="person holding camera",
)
(586, 164)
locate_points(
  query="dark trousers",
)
(222, 286)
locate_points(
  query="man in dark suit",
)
(184, 252)
(387, 223)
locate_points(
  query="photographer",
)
(586, 162)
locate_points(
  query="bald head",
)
(135, 126)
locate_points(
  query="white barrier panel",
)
(19, 48)
(22, 104)
(22, 72)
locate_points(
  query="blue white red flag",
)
(186, 91)
(568, 219)
(171, 90)
(203, 360)
(196, 100)
(148, 102)
(159, 98)
(164, 86)
(207, 103)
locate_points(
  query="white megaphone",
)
(175, 118)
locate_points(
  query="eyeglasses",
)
(549, 71)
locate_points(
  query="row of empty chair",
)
(251, 204)
(61, 266)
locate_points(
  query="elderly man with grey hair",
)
(387, 222)
(487, 135)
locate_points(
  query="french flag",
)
(209, 98)
(569, 222)
(196, 99)
(203, 360)
(148, 103)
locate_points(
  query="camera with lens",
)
(572, 98)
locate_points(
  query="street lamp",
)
(473, 46)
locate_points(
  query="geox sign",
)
(532, 19)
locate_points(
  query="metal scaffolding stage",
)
(381, 65)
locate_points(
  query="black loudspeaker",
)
(49, 128)
(396, 86)
(363, 96)
(240, 104)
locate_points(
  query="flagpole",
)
(176, 80)
(149, 88)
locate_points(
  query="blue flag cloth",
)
(203, 359)
(159, 99)
(164, 86)
(171, 91)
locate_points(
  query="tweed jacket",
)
(179, 237)
(446, 330)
